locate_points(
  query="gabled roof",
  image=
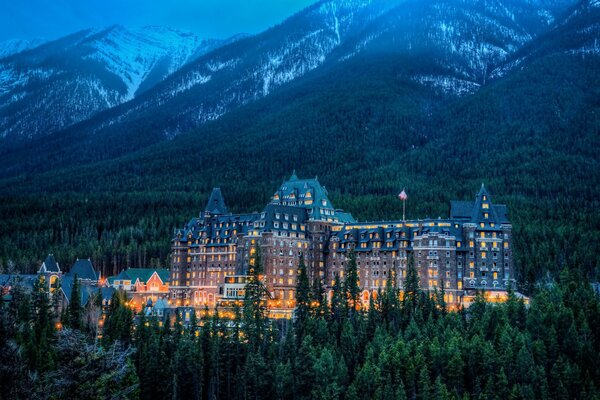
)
(473, 211)
(216, 203)
(309, 194)
(49, 265)
(84, 270)
(143, 274)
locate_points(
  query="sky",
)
(50, 19)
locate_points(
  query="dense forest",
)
(405, 346)
(365, 132)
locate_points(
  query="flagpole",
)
(403, 197)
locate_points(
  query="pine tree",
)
(41, 352)
(254, 313)
(119, 321)
(74, 314)
(303, 306)
(351, 289)
(411, 290)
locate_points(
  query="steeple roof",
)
(309, 194)
(49, 265)
(216, 203)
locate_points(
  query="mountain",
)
(366, 127)
(451, 46)
(13, 46)
(60, 83)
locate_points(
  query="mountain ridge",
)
(60, 83)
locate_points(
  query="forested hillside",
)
(367, 129)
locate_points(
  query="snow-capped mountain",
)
(14, 46)
(578, 33)
(452, 45)
(449, 44)
(57, 84)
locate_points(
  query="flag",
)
(403, 196)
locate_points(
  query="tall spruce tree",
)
(119, 321)
(303, 307)
(255, 308)
(74, 316)
(41, 351)
(351, 288)
(411, 290)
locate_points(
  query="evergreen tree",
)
(255, 308)
(74, 313)
(411, 290)
(39, 345)
(119, 321)
(351, 288)
(303, 306)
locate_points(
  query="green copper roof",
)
(309, 194)
(143, 274)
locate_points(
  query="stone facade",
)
(470, 250)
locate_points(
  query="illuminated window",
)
(486, 215)
(471, 264)
(485, 205)
(506, 245)
(460, 284)
(483, 254)
(471, 244)
(471, 274)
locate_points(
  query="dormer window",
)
(485, 206)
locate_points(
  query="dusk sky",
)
(50, 19)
